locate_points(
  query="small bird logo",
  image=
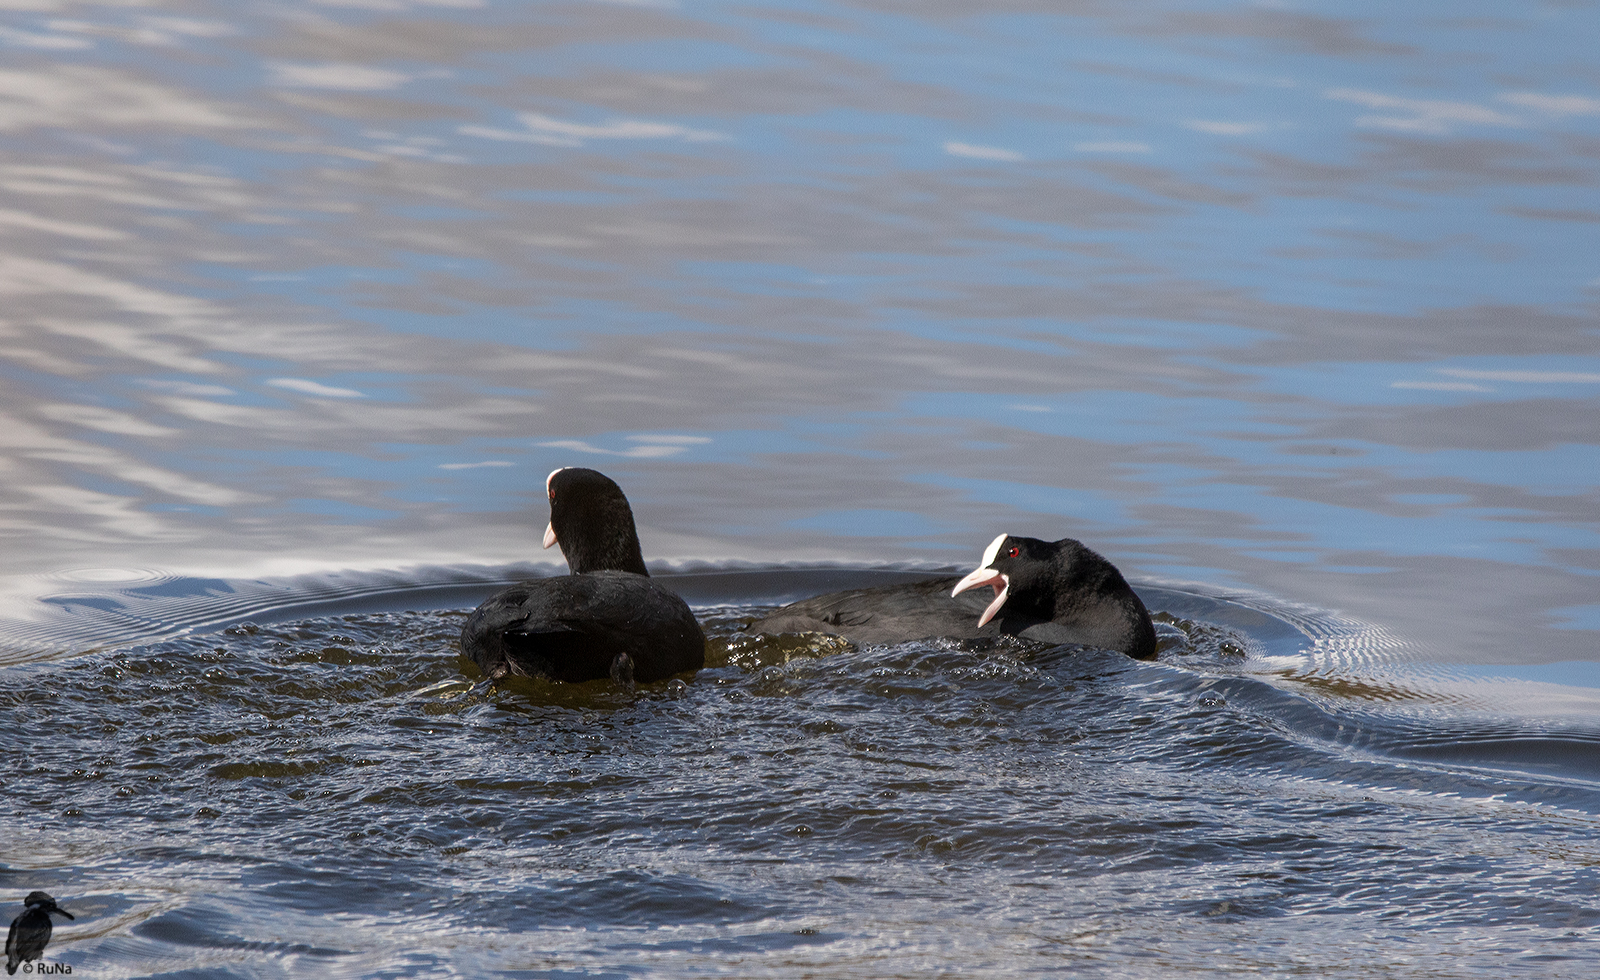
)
(30, 931)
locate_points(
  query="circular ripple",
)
(110, 576)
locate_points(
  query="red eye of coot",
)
(1014, 552)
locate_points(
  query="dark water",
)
(1287, 308)
(335, 796)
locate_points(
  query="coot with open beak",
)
(1052, 591)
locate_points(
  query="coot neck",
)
(599, 536)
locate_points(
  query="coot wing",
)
(893, 614)
(926, 610)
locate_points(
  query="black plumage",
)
(606, 619)
(591, 520)
(30, 931)
(1052, 591)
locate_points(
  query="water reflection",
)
(1251, 297)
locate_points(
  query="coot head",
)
(1054, 580)
(591, 520)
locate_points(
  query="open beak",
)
(549, 535)
(989, 577)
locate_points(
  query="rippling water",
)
(337, 796)
(1287, 308)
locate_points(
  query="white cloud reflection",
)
(149, 31)
(338, 77)
(42, 42)
(23, 440)
(550, 131)
(1469, 378)
(104, 420)
(1554, 105)
(650, 446)
(1420, 115)
(67, 229)
(306, 386)
(1438, 116)
(84, 97)
(975, 152)
(1439, 386)
(1218, 128)
(1533, 377)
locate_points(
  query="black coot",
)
(30, 931)
(606, 619)
(1052, 591)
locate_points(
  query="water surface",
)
(335, 795)
(1288, 309)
